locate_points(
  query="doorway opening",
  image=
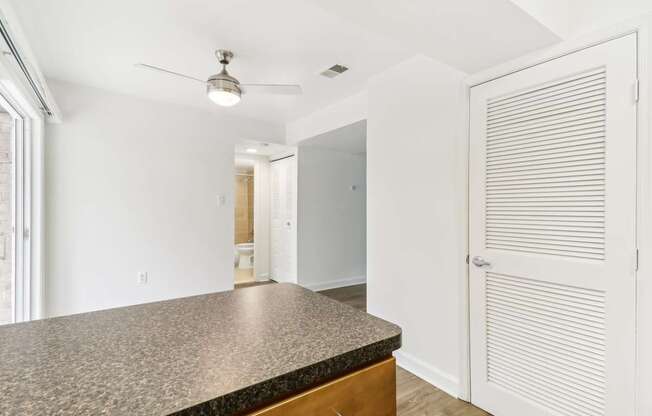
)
(244, 221)
(332, 208)
(262, 242)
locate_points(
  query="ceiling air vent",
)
(334, 71)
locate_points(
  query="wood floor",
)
(355, 296)
(414, 396)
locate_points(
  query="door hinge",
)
(636, 261)
(637, 88)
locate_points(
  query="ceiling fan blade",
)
(278, 89)
(167, 71)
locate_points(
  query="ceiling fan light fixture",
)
(224, 98)
(223, 91)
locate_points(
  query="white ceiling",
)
(469, 35)
(263, 149)
(97, 42)
(348, 139)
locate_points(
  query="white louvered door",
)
(552, 209)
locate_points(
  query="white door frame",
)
(641, 27)
(27, 250)
(15, 88)
(19, 102)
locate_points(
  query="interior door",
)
(552, 236)
(283, 213)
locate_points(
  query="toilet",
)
(246, 255)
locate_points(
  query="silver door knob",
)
(480, 262)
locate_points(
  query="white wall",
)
(131, 186)
(331, 218)
(553, 14)
(589, 15)
(339, 114)
(569, 18)
(415, 254)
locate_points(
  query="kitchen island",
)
(268, 350)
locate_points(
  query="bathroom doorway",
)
(254, 245)
(244, 221)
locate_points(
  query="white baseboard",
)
(334, 284)
(262, 277)
(428, 373)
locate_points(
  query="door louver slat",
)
(553, 333)
(543, 175)
(596, 75)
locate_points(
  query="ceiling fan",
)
(224, 89)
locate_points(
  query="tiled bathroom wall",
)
(244, 207)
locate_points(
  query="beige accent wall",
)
(244, 207)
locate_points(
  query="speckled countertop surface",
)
(217, 354)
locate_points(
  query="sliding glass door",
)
(15, 290)
(7, 287)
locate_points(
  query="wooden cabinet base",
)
(370, 391)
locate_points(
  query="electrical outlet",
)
(221, 200)
(142, 278)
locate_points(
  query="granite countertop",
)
(216, 354)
